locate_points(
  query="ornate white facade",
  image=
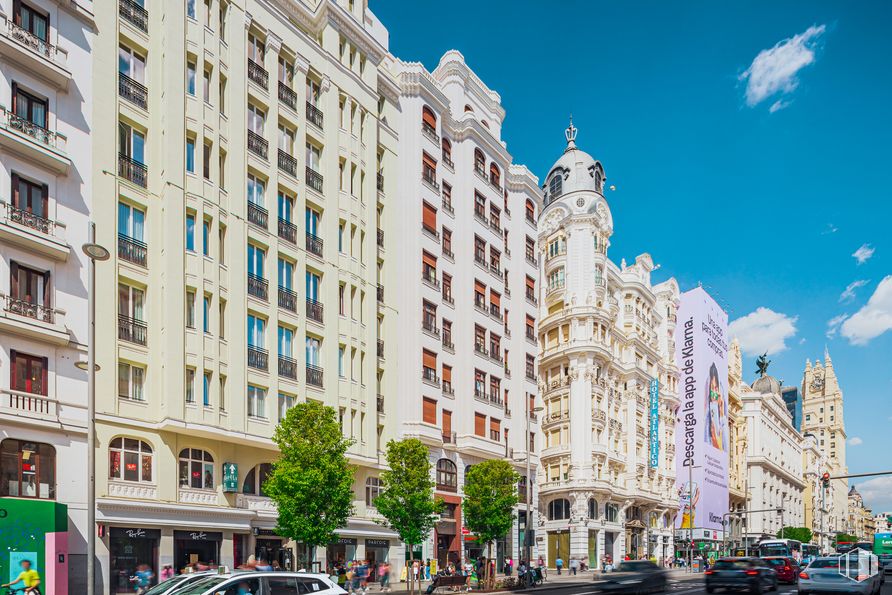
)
(604, 333)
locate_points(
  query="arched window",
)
(592, 508)
(495, 175)
(372, 490)
(255, 479)
(531, 211)
(447, 475)
(485, 123)
(428, 119)
(468, 108)
(598, 181)
(559, 510)
(447, 151)
(555, 186)
(129, 459)
(479, 162)
(27, 469)
(196, 469)
(611, 513)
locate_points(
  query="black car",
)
(752, 574)
(638, 576)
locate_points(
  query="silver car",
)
(823, 575)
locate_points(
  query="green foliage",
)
(802, 534)
(844, 537)
(312, 482)
(407, 496)
(488, 505)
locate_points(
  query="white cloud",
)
(877, 492)
(873, 319)
(849, 294)
(863, 253)
(834, 323)
(779, 105)
(774, 70)
(830, 229)
(855, 441)
(763, 330)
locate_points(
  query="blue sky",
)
(750, 147)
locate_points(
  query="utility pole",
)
(691, 516)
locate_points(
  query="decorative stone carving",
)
(135, 491)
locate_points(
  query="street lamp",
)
(94, 252)
(691, 510)
(528, 487)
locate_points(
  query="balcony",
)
(314, 244)
(132, 330)
(258, 74)
(133, 91)
(314, 179)
(531, 220)
(480, 170)
(380, 348)
(495, 269)
(134, 14)
(429, 278)
(448, 390)
(480, 258)
(429, 375)
(495, 224)
(34, 55)
(381, 238)
(450, 437)
(257, 215)
(380, 404)
(314, 376)
(431, 133)
(33, 142)
(481, 349)
(287, 163)
(287, 96)
(531, 298)
(314, 310)
(493, 399)
(531, 336)
(429, 325)
(133, 251)
(480, 215)
(531, 373)
(429, 177)
(287, 367)
(32, 232)
(258, 145)
(447, 207)
(495, 311)
(288, 231)
(495, 183)
(448, 253)
(531, 259)
(258, 287)
(447, 161)
(314, 115)
(447, 343)
(433, 233)
(287, 300)
(380, 294)
(133, 171)
(28, 405)
(258, 358)
(379, 183)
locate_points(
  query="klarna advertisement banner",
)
(702, 438)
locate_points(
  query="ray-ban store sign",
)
(198, 535)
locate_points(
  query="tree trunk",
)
(410, 575)
(489, 572)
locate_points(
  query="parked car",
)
(637, 576)
(263, 583)
(180, 580)
(885, 564)
(752, 574)
(824, 575)
(787, 569)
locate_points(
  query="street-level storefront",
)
(447, 533)
(341, 551)
(377, 550)
(558, 546)
(273, 548)
(130, 547)
(196, 547)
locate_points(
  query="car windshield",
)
(731, 565)
(825, 563)
(199, 587)
(163, 586)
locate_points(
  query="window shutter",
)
(479, 287)
(447, 423)
(429, 259)
(429, 161)
(428, 117)
(429, 216)
(531, 283)
(494, 298)
(447, 373)
(429, 359)
(429, 413)
(15, 87)
(494, 424)
(12, 366)
(46, 290)
(479, 424)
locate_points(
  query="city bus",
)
(882, 543)
(791, 548)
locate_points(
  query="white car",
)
(263, 583)
(178, 582)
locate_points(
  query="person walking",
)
(540, 564)
(574, 565)
(559, 564)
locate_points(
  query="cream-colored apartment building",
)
(241, 151)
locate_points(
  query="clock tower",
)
(822, 417)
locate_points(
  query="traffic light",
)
(825, 480)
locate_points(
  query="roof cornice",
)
(453, 64)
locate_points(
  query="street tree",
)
(407, 494)
(802, 534)
(490, 497)
(312, 481)
(844, 537)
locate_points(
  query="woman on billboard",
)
(716, 415)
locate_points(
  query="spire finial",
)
(570, 133)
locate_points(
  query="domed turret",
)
(575, 170)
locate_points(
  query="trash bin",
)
(696, 565)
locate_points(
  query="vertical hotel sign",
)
(702, 433)
(654, 423)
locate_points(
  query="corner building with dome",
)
(605, 332)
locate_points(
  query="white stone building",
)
(605, 332)
(774, 462)
(464, 244)
(45, 206)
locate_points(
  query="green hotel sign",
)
(230, 477)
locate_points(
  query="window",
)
(206, 389)
(190, 8)
(29, 373)
(479, 426)
(286, 342)
(29, 286)
(447, 475)
(29, 196)
(206, 85)
(256, 48)
(222, 318)
(256, 401)
(256, 331)
(429, 217)
(559, 510)
(479, 205)
(131, 381)
(314, 156)
(592, 508)
(341, 361)
(372, 490)
(27, 470)
(222, 392)
(132, 143)
(495, 176)
(129, 459)
(196, 469)
(190, 308)
(531, 211)
(313, 281)
(286, 402)
(555, 186)
(341, 232)
(256, 257)
(29, 107)
(495, 428)
(479, 161)
(32, 21)
(429, 411)
(190, 73)
(256, 117)
(190, 155)
(206, 160)
(313, 351)
(190, 385)
(131, 64)
(611, 513)
(190, 232)
(206, 237)
(255, 479)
